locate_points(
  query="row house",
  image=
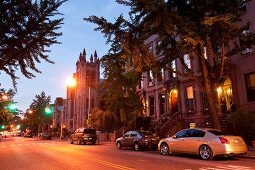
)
(172, 95)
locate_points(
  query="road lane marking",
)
(11, 145)
(4, 146)
(227, 167)
(117, 166)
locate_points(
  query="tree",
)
(37, 117)
(27, 29)
(103, 121)
(5, 100)
(197, 28)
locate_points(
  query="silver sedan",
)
(206, 143)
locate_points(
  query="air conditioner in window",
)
(246, 51)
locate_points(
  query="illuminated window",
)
(250, 86)
(189, 99)
(173, 67)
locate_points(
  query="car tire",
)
(205, 152)
(71, 140)
(136, 146)
(119, 145)
(164, 149)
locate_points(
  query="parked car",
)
(138, 140)
(83, 136)
(45, 136)
(206, 143)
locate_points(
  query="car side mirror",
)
(174, 137)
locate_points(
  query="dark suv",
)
(138, 140)
(84, 135)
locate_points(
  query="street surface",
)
(18, 153)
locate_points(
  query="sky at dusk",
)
(77, 35)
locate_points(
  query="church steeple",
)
(84, 54)
(91, 58)
(80, 57)
(95, 56)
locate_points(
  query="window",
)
(133, 134)
(187, 62)
(141, 83)
(205, 102)
(181, 134)
(161, 75)
(244, 39)
(196, 133)
(158, 45)
(189, 99)
(150, 78)
(250, 86)
(162, 103)
(150, 47)
(243, 5)
(173, 67)
(205, 53)
(151, 102)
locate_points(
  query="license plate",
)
(236, 141)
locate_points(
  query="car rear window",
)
(91, 131)
(146, 133)
(219, 133)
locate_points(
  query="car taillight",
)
(224, 140)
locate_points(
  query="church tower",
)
(85, 96)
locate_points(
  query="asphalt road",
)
(18, 153)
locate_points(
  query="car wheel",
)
(164, 149)
(136, 146)
(119, 145)
(71, 140)
(205, 152)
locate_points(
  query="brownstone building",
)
(171, 97)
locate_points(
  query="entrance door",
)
(173, 101)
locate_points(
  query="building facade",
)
(59, 115)
(82, 97)
(172, 96)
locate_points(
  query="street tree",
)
(27, 29)
(6, 97)
(209, 32)
(37, 117)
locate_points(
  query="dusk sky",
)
(77, 35)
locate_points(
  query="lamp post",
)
(71, 83)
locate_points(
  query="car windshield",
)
(90, 131)
(219, 133)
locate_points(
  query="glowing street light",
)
(71, 82)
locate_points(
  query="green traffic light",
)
(12, 107)
(2, 127)
(48, 110)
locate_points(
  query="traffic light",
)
(2, 127)
(11, 107)
(48, 110)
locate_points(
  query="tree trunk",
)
(209, 90)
